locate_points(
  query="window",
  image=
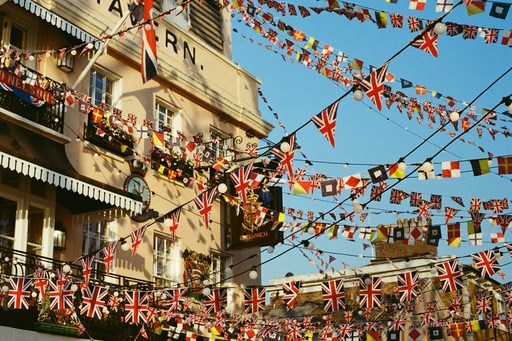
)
(96, 234)
(19, 32)
(219, 268)
(166, 261)
(166, 118)
(223, 143)
(101, 89)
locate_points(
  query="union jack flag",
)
(436, 201)
(174, 298)
(397, 20)
(137, 237)
(474, 204)
(333, 294)
(483, 302)
(40, 283)
(216, 301)
(254, 300)
(427, 42)
(108, 253)
(506, 290)
(325, 121)
(61, 296)
(373, 85)
(450, 275)
(149, 66)
(93, 301)
(486, 262)
(477, 218)
(19, 292)
(398, 323)
(290, 293)
(416, 199)
(286, 158)
(241, 178)
(114, 302)
(204, 203)
(174, 217)
(370, 292)
(453, 29)
(136, 306)
(408, 285)
(449, 214)
(87, 266)
(396, 196)
(414, 24)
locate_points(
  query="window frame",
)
(175, 119)
(220, 261)
(171, 277)
(110, 227)
(115, 87)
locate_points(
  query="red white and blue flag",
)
(450, 275)
(325, 121)
(93, 301)
(373, 85)
(136, 306)
(290, 293)
(136, 237)
(408, 285)
(61, 296)
(216, 301)
(174, 298)
(333, 294)
(87, 266)
(286, 158)
(149, 67)
(204, 203)
(241, 178)
(486, 262)
(108, 253)
(174, 217)
(19, 293)
(370, 292)
(254, 300)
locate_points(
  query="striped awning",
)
(57, 21)
(69, 183)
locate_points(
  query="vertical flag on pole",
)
(149, 63)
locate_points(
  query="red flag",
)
(149, 67)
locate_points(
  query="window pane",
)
(7, 221)
(16, 37)
(35, 229)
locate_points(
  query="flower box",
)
(54, 328)
(114, 144)
(173, 165)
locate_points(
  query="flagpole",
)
(102, 48)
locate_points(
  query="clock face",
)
(136, 184)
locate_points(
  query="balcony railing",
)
(22, 264)
(29, 94)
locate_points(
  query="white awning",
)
(57, 21)
(46, 175)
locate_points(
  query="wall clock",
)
(136, 184)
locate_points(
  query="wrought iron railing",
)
(22, 264)
(33, 96)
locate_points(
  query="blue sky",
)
(366, 137)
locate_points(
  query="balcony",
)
(39, 317)
(28, 94)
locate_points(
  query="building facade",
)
(91, 156)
